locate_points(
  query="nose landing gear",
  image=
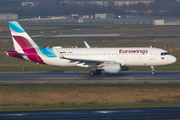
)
(153, 70)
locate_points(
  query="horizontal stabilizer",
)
(22, 54)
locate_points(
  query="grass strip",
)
(15, 97)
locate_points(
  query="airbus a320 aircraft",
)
(111, 60)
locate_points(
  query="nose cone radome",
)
(173, 59)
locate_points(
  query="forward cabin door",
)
(151, 54)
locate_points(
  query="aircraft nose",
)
(173, 59)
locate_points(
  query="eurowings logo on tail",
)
(25, 47)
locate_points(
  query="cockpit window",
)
(165, 53)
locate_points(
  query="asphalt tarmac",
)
(83, 77)
(97, 114)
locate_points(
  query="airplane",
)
(110, 60)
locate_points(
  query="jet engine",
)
(112, 68)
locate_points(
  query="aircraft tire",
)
(91, 73)
(153, 72)
(98, 72)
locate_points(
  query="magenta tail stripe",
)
(23, 42)
(28, 49)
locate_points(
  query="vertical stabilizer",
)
(25, 47)
(20, 38)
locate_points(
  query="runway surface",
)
(97, 114)
(122, 35)
(83, 77)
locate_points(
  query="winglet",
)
(87, 46)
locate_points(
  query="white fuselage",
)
(127, 56)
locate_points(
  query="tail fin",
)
(25, 47)
(20, 38)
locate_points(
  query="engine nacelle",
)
(112, 68)
(124, 68)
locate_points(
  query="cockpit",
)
(164, 53)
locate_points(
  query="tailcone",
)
(6, 53)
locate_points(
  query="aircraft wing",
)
(85, 60)
(90, 61)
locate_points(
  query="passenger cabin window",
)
(165, 53)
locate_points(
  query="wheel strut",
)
(153, 70)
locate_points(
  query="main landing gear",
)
(97, 72)
(91, 73)
(153, 70)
